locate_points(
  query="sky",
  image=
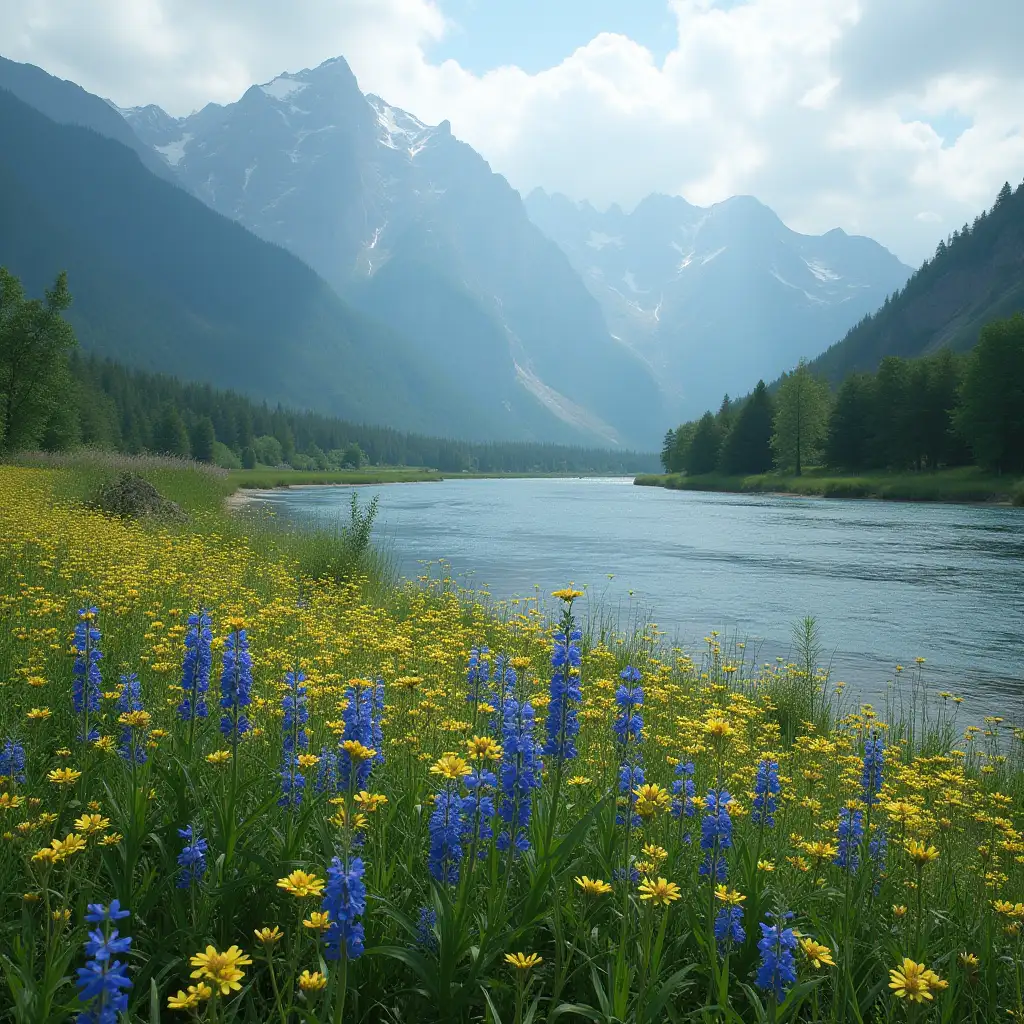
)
(897, 119)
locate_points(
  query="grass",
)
(428, 914)
(965, 484)
(264, 479)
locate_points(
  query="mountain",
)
(67, 103)
(714, 299)
(411, 225)
(976, 277)
(162, 282)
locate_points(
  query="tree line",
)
(910, 415)
(54, 397)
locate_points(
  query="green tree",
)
(353, 456)
(248, 457)
(34, 342)
(894, 422)
(801, 416)
(169, 434)
(991, 412)
(748, 446)
(668, 447)
(702, 456)
(202, 439)
(849, 431)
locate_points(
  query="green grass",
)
(965, 484)
(263, 479)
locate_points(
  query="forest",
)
(935, 411)
(55, 397)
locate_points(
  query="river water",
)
(886, 581)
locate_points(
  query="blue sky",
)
(539, 34)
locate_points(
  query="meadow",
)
(236, 785)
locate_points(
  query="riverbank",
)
(962, 485)
(265, 479)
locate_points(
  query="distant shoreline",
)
(965, 486)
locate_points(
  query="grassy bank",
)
(264, 479)
(967, 484)
(376, 743)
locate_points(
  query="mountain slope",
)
(978, 277)
(349, 184)
(161, 282)
(67, 103)
(715, 299)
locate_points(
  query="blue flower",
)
(235, 685)
(192, 859)
(344, 900)
(631, 778)
(519, 774)
(103, 982)
(478, 808)
(778, 967)
(86, 684)
(563, 722)
(629, 696)
(850, 833)
(12, 762)
(716, 834)
(359, 725)
(873, 773)
(425, 934)
(296, 715)
(327, 771)
(196, 666)
(729, 928)
(766, 790)
(478, 676)
(684, 791)
(130, 699)
(446, 830)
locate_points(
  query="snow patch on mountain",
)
(283, 87)
(174, 152)
(398, 129)
(564, 408)
(821, 272)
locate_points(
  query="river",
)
(886, 581)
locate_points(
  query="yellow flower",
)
(909, 982)
(191, 999)
(63, 776)
(718, 729)
(523, 961)
(969, 961)
(61, 916)
(319, 920)
(219, 757)
(67, 847)
(38, 714)
(816, 953)
(578, 780)
(105, 744)
(223, 970)
(312, 982)
(370, 802)
(89, 823)
(356, 751)
(301, 884)
(10, 801)
(308, 761)
(654, 852)
(921, 854)
(269, 936)
(135, 719)
(112, 839)
(899, 911)
(659, 891)
(592, 886)
(567, 594)
(234, 623)
(650, 799)
(450, 766)
(765, 865)
(820, 849)
(483, 748)
(729, 896)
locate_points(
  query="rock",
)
(132, 497)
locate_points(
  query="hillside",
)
(668, 275)
(163, 283)
(978, 276)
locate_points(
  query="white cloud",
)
(823, 110)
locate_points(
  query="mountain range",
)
(699, 293)
(543, 319)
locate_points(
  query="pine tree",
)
(748, 446)
(704, 448)
(169, 434)
(801, 416)
(202, 439)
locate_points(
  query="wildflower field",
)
(230, 792)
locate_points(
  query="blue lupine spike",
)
(196, 667)
(777, 970)
(344, 900)
(519, 774)
(235, 685)
(563, 720)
